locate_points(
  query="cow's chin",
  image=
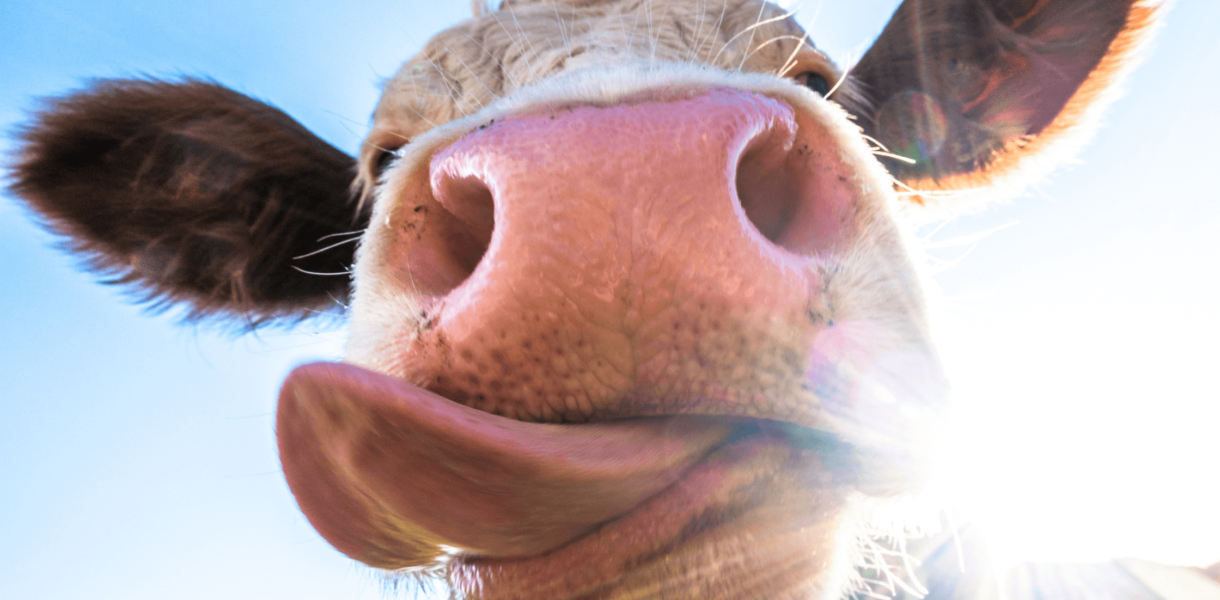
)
(755, 519)
(685, 506)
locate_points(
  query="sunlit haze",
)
(137, 457)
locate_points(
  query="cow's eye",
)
(814, 81)
(384, 158)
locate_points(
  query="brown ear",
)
(193, 193)
(972, 90)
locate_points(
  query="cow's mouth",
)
(390, 473)
(697, 319)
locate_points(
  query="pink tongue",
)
(387, 472)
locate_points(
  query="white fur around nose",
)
(382, 315)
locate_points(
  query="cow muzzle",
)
(595, 304)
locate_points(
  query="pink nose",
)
(649, 257)
(726, 157)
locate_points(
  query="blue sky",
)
(137, 457)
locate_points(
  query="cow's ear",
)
(194, 194)
(983, 92)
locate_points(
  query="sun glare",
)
(1082, 435)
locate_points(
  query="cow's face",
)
(633, 311)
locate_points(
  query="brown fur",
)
(193, 194)
(977, 60)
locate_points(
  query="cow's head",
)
(632, 313)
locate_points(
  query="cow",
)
(634, 310)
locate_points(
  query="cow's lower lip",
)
(389, 473)
(757, 515)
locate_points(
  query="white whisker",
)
(834, 88)
(772, 41)
(533, 54)
(563, 33)
(356, 232)
(340, 273)
(454, 94)
(321, 250)
(791, 62)
(458, 56)
(499, 63)
(711, 34)
(874, 140)
(338, 301)
(909, 161)
(516, 42)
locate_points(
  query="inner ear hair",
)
(974, 93)
(191, 193)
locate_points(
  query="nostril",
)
(471, 217)
(795, 190)
(469, 199)
(767, 188)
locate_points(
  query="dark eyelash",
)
(383, 160)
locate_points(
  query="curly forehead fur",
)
(468, 67)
